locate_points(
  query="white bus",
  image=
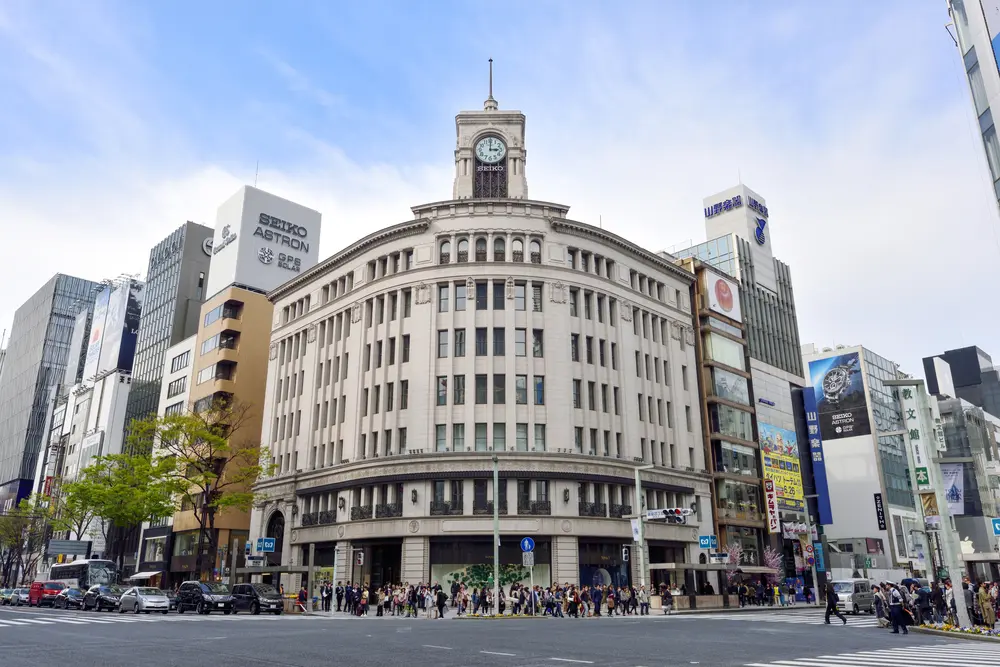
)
(85, 573)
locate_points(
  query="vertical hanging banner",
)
(879, 511)
(771, 504)
(816, 454)
(953, 475)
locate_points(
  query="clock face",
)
(490, 150)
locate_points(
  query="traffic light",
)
(624, 554)
(359, 558)
(677, 514)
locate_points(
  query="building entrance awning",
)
(139, 576)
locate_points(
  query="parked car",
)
(204, 597)
(172, 596)
(256, 598)
(17, 597)
(102, 596)
(44, 592)
(4, 594)
(69, 598)
(144, 599)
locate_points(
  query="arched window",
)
(276, 529)
(445, 253)
(499, 250)
(463, 250)
(517, 247)
(480, 250)
(536, 251)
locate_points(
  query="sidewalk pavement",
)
(658, 613)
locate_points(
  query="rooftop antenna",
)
(490, 104)
(256, 171)
(600, 221)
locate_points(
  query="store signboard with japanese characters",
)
(915, 435)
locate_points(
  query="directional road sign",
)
(996, 526)
(527, 544)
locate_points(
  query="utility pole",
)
(639, 513)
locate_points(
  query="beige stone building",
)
(487, 324)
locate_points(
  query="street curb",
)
(956, 635)
(798, 609)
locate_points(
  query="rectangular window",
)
(404, 395)
(521, 437)
(498, 295)
(684, 377)
(604, 398)
(368, 356)
(440, 437)
(540, 438)
(590, 349)
(537, 350)
(591, 396)
(600, 351)
(461, 292)
(520, 344)
(458, 437)
(481, 349)
(392, 351)
(459, 342)
(519, 296)
(442, 390)
(614, 356)
(364, 402)
(600, 309)
(407, 302)
(180, 361)
(539, 390)
(617, 408)
(536, 297)
(587, 311)
(176, 387)
(577, 401)
(481, 391)
(376, 399)
(459, 383)
(498, 342)
(687, 417)
(442, 343)
(480, 296)
(499, 436)
(378, 354)
(405, 355)
(499, 389)
(574, 299)
(574, 347)
(521, 389)
(578, 439)
(389, 398)
(443, 298)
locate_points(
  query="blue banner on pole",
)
(817, 456)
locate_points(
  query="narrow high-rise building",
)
(35, 363)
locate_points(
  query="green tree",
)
(23, 532)
(73, 508)
(215, 458)
(120, 490)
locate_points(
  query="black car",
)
(69, 598)
(204, 597)
(102, 596)
(256, 598)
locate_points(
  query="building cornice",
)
(402, 230)
(582, 229)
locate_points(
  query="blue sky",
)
(123, 119)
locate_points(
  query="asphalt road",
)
(43, 637)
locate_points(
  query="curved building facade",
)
(488, 324)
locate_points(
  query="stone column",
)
(416, 566)
(565, 559)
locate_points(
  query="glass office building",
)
(35, 364)
(175, 289)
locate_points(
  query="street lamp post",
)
(638, 502)
(496, 534)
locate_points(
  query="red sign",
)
(48, 487)
(771, 502)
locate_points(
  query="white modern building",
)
(487, 324)
(876, 515)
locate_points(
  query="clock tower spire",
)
(489, 152)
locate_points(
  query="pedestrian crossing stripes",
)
(11, 620)
(959, 654)
(817, 617)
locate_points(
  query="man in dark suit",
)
(340, 594)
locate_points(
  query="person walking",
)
(831, 604)
(937, 603)
(986, 611)
(643, 601)
(442, 600)
(896, 610)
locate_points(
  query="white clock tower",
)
(489, 152)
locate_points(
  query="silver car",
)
(144, 599)
(18, 597)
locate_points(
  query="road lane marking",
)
(443, 648)
(498, 653)
(582, 662)
(39, 622)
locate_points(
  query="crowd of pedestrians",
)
(434, 601)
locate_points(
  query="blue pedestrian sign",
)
(260, 544)
(708, 542)
(268, 545)
(996, 526)
(248, 547)
(527, 544)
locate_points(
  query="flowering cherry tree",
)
(735, 553)
(773, 559)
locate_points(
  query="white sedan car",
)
(144, 599)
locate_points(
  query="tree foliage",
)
(23, 531)
(215, 458)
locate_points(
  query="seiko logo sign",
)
(227, 238)
(281, 232)
(206, 246)
(490, 167)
